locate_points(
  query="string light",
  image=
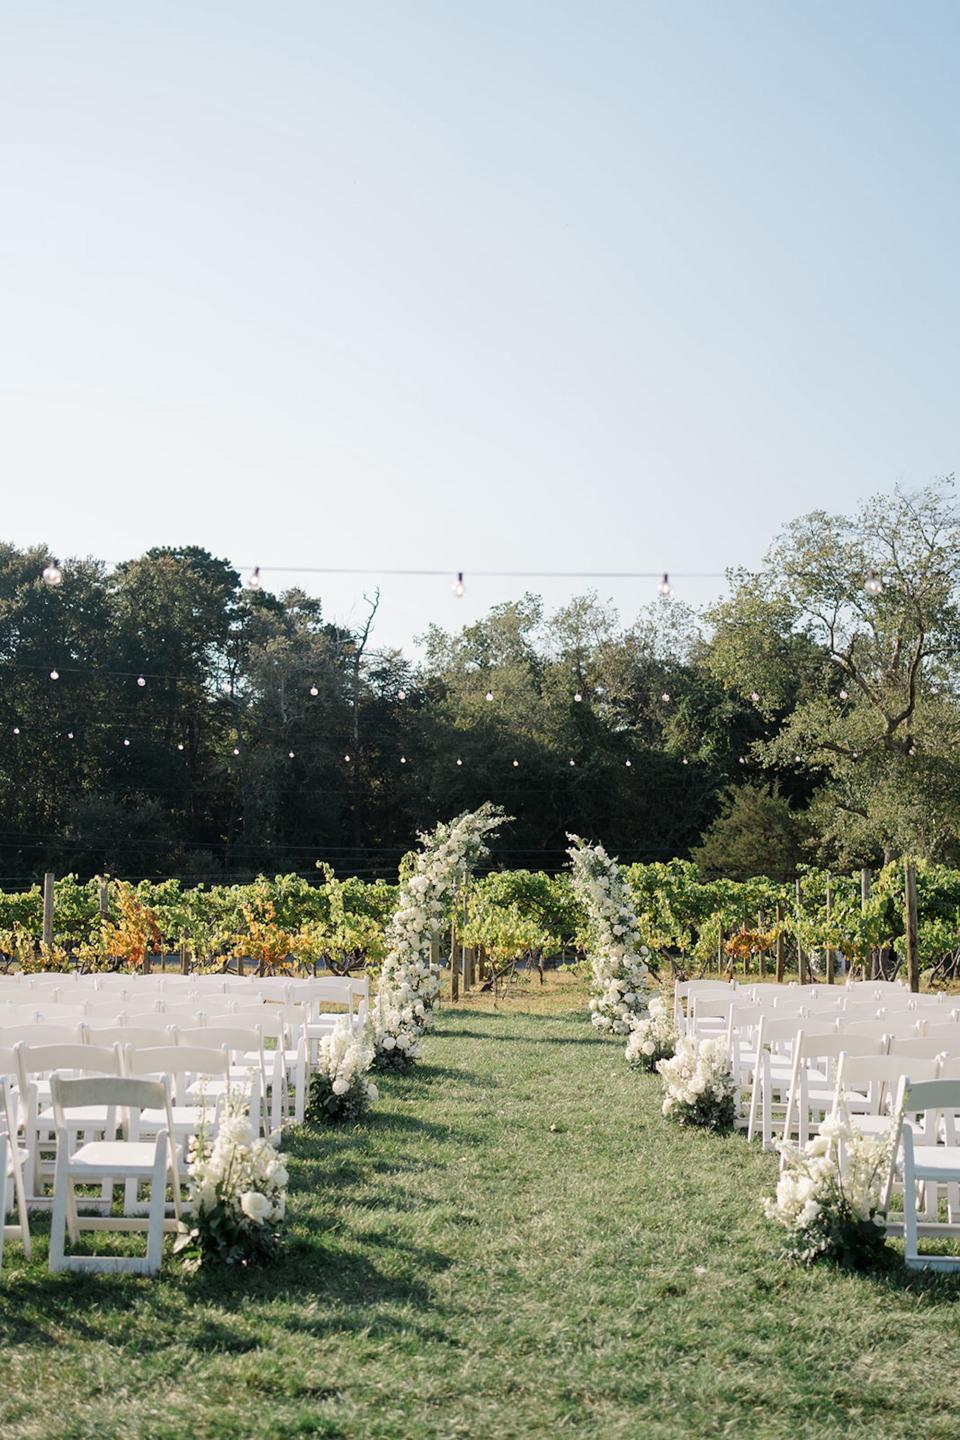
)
(459, 761)
(685, 760)
(573, 762)
(54, 674)
(403, 759)
(314, 691)
(577, 696)
(628, 763)
(401, 694)
(16, 729)
(665, 697)
(253, 581)
(516, 764)
(69, 734)
(126, 742)
(844, 695)
(291, 754)
(347, 758)
(141, 681)
(458, 586)
(52, 574)
(856, 754)
(873, 584)
(755, 697)
(489, 695)
(664, 586)
(180, 745)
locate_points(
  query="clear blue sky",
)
(475, 285)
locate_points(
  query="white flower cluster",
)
(697, 1083)
(238, 1190)
(836, 1180)
(410, 981)
(653, 1038)
(618, 958)
(339, 1088)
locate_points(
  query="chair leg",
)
(157, 1213)
(911, 1250)
(20, 1200)
(58, 1221)
(3, 1192)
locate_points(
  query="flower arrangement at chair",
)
(409, 980)
(618, 956)
(654, 1038)
(697, 1084)
(238, 1195)
(340, 1092)
(830, 1196)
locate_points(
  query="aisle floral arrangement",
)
(618, 957)
(238, 1196)
(339, 1089)
(830, 1196)
(654, 1038)
(410, 981)
(697, 1084)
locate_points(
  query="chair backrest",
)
(829, 1044)
(922, 1046)
(882, 1070)
(217, 1036)
(41, 1035)
(921, 1096)
(185, 1063)
(45, 1059)
(109, 1090)
(126, 1034)
(776, 1031)
(942, 1032)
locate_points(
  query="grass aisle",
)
(460, 1267)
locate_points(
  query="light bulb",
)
(141, 681)
(573, 762)
(314, 691)
(347, 758)
(873, 584)
(844, 695)
(291, 754)
(225, 686)
(743, 760)
(856, 754)
(458, 585)
(401, 694)
(403, 759)
(16, 729)
(515, 764)
(69, 734)
(628, 763)
(798, 759)
(685, 760)
(459, 761)
(126, 742)
(577, 696)
(52, 574)
(180, 745)
(665, 697)
(755, 697)
(912, 750)
(664, 586)
(235, 750)
(253, 581)
(54, 674)
(489, 695)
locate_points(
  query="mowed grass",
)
(516, 1244)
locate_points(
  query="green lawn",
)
(516, 1244)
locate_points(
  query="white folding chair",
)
(35, 1067)
(244, 1074)
(928, 1157)
(812, 1081)
(107, 1162)
(876, 1078)
(12, 1159)
(192, 1071)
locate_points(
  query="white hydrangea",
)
(339, 1088)
(238, 1192)
(697, 1083)
(654, 1037)
(617, 955)
(831, 1189)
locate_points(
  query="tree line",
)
(199, 728)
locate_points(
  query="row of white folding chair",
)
(926, 1157)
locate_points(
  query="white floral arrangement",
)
(830, 1195)
(698, 1087)
(238, 1195)
(410, 981)
(618, 956)
(339, 1089)
(654, 1038)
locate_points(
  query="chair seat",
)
(933, 1162)
(111, 1157)
(187, 1119)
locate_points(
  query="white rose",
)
(340, 1087)
(255, 1206)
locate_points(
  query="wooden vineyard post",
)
(435, 957)
(103, 899)
(865, 881)
(829, 953)
(184, 962)
(48, 907)
(910, 925)
(719, 950)
(468, 954)
(778, 952)
(454, 958)
(761, 957)
(801, 963)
